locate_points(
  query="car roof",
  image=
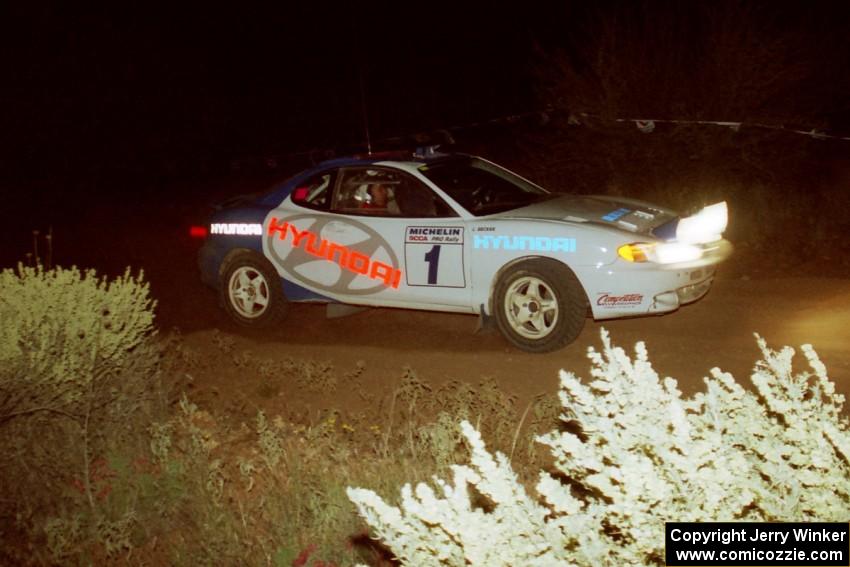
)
(427, 154)
(403, 159)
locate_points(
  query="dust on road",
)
(716, 331)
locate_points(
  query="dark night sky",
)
(93, 92)
(227, 80)
(132, 105)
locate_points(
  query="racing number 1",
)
(433, 259)
(441, 248)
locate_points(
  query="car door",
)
(409, 243)
(371, 235)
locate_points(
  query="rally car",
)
(457, 233)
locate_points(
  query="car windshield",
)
(481, 187)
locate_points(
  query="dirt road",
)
(717, 331)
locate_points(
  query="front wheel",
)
(540, 306)
(251, 291)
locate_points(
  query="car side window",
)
(315, 192)
(386, 193)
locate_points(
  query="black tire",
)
(251, 291)
(539, 305)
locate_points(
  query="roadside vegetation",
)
(112, 457)
(630, 455)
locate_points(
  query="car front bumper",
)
(671, 300)
(650, 292)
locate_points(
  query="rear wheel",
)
(251, 291)
(540, 305)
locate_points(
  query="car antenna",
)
(364, 109)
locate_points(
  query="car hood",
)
(630, 215)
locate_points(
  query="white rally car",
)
(458, 233)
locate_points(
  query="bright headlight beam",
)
(705, 226)
(675, 252)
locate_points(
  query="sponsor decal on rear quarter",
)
(243, 229)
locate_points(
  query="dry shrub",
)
(273, 488)
(117, 468)
(78, 369)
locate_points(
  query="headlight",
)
(693, 237)
(674, 252)
(662, 253)
(705, 226)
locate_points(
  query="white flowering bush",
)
(633, 453)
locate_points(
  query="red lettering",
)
(297, 237)
(613, 300)
(358, 263)
(311, 246)
(281, 228)
(343, 253)
(351, 260)
(381, 271)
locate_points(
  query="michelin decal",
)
(435, 234)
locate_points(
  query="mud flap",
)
(486, 323)
(337, 310)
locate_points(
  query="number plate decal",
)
(433, 256)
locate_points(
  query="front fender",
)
(498, 245)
